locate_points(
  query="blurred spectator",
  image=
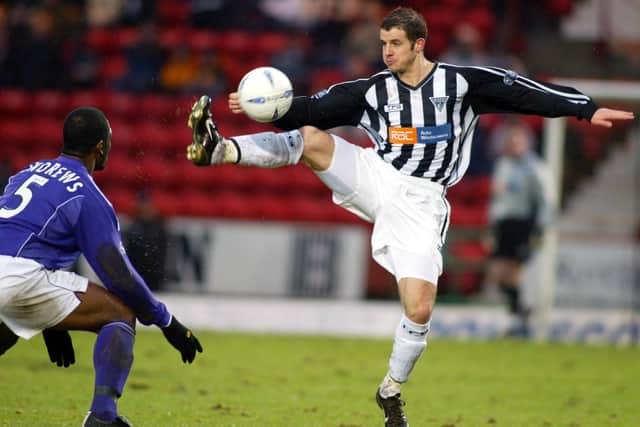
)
(209, 77)
(135, 12)
(293, 14)
(292, 61)
(83, 64)
(34, 54)
(104, 13)
(179, 70)
(521, 207)
(468, 47)
(6, 171)
(144, 60)
(146, 243)
(226, 14)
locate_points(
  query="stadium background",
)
(271, 239)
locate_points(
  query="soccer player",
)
(521, 207)
(420, 116)
(50, 212)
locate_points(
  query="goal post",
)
(554, 133)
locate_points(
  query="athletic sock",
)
(112, 360)
(267, 149)
(409, 343)
(389, 387)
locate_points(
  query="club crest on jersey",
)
(509, 77)
(439, 102)
(392, 108)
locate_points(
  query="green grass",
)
(272, 380)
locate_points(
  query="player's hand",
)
(182, 339)
(606, 116)
(234, 103)
(60, 347)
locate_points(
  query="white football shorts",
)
(33, 298)
(410, 214)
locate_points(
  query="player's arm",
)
(340, 105)
(99, 240)
(495, 90)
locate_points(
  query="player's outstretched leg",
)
(266, 149)
(207, 145)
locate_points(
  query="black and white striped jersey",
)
(426, 130)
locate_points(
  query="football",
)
(265, 94)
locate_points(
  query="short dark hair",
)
(83, 129)
(408, 20)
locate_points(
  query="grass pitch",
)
(271, 380)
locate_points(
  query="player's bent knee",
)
(419, 313)
(318, 147)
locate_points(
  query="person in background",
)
(521, 206)
(146, 242)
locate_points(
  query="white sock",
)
(389, 387)
(409, 343)
(267, 149)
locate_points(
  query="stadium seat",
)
(270, 43)
(271, 207)
(14, 102)
(47, 132)
(120, 106)
(204, 40)
(124, 38)
(82, 98)
(166, 202)
(52, 103)
(173, 13)
(171, 38)
(112, 69)
(123, 200)
(17, 132)
(101, 41)
(159, 108)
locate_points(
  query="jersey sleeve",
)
(341, 105)
(99, 240)
(496, 90)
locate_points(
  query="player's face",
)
(398, 53)
(103, 153)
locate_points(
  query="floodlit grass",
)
(272, 380)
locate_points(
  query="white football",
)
(265, 94)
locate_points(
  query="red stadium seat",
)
(173, 13)
(51, 103)
(241, 44)
(270, 43)
(101, 40)
(112, 69)
(172, 38)
(14, 102)
(158, 107)
(166, 202)
(153, 136)
(120, 106)
(122, 199)
(204, 40)
(17, 132)
(83, 98)
(124, 38)
(47, 132)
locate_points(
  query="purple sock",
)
(112, 360)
